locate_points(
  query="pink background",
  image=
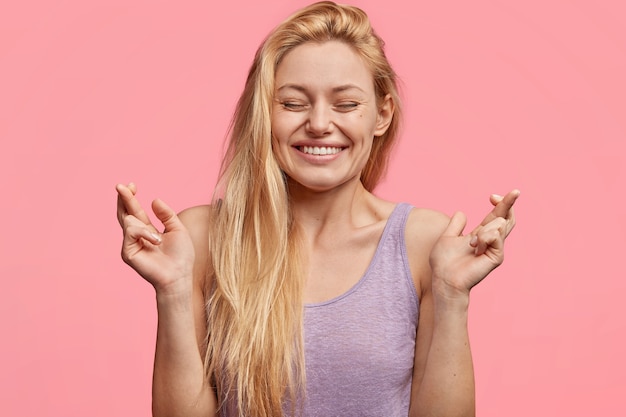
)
(497, 94)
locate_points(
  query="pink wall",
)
(528, 95)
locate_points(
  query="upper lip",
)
(319, 144)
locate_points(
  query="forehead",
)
(324, 66)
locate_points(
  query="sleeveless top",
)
(360, 346)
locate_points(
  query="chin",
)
(320, 185)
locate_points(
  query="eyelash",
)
(350, 105)
(296, 106)
(292, 106)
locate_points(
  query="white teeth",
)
(320, 150)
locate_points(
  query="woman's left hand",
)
(458, 261)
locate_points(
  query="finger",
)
(491, 235)
(136, 230)
(510, 221)
(166, 215)
(510, 214)
(133, 225)
(136, 236)
(502, 208)
(130, 202)
(121, 209)
(456, 225)
(505, 204)
(494, 199)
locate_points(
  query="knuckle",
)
(129, 221)
(121, 215)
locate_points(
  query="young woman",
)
(298, 291)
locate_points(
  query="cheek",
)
(360, 125)
(278, 149)
(282, 125)
(278, 136)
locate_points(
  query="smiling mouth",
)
(319, 150)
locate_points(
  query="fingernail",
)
(497, 196)
(474, 240)
(156, 237)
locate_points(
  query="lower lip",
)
(319, 159)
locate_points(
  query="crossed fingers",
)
(127, 204)
(497, 225)
(503, 208)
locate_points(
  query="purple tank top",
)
(360, 346)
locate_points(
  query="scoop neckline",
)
(365, 275)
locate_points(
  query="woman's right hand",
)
(165, 259)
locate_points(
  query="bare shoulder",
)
(423, 229)
(197, 220)
(425, 225)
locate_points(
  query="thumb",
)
(456, 225)
(166, 215)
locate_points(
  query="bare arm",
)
(168, 261)
(443, 379)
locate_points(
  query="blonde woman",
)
(298, 291)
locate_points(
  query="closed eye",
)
(347, 106)
(290, 105)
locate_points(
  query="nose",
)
(319, 121)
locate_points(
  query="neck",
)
(336, 209)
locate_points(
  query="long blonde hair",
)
(255, 350)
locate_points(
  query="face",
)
(325, 115)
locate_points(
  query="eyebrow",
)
(337, 89)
